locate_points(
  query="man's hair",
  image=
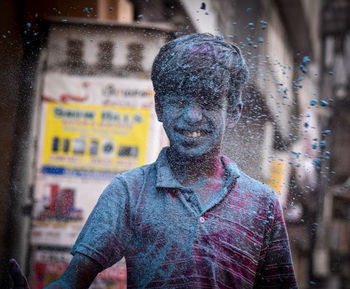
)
(200, 63)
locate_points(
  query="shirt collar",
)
(166, 179)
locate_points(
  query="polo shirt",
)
(237, 239)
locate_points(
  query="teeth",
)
(192, 134)
(195, 134)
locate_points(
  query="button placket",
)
(190, 200)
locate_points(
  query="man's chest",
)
(176, 223)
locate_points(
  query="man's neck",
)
(205, 171)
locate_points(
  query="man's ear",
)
(234, 115)
(159, 108)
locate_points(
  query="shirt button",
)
(187, 196)
(201, 220)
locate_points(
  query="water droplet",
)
(313, 102)
(323, 103)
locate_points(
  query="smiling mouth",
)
(192, 133)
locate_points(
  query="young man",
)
(191, 219)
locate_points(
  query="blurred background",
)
(77, 108)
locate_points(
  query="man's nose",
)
(193, 113)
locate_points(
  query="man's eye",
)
(179, 104)
(211, 105)
(176, 103)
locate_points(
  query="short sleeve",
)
(275, 269)
(107, 229)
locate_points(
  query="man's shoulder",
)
(255, 190)
(137, 175)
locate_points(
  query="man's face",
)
(194, 123)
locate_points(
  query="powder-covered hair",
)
(200, 63)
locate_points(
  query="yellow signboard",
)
(83, 137)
